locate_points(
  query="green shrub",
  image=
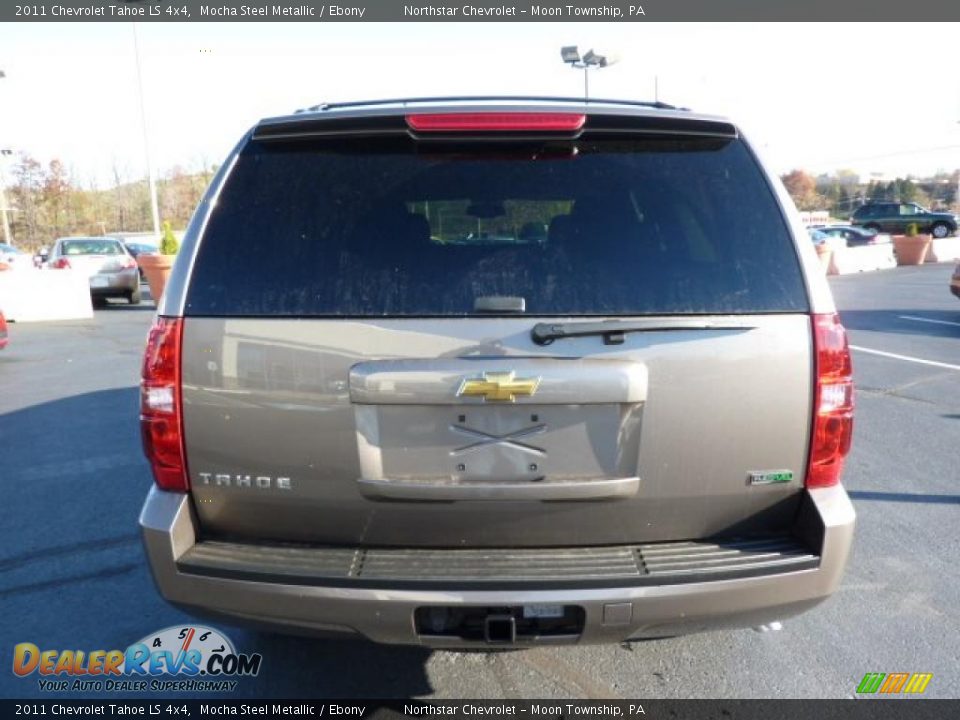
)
(913, 230)
(168, 243)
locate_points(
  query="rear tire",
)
(940, 230)
(133, 297)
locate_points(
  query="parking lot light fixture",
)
(570, 54)
(590, 59)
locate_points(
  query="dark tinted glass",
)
(381, 228)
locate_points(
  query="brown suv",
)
(496, 372)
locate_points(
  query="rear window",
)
(90, 247)
(387, 227)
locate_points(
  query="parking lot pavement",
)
(72, 573)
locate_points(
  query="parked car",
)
(111, 269)
(896, 217)
(955, 281)
(136, 248)
(13, 257)
(3, 331)
(634, 427)
(854, 236)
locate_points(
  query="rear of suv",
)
(496, 373)
(895, 218)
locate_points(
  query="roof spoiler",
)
(394, 123)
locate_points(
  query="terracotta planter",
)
(156, 268)
(825, 254)
(911, 250)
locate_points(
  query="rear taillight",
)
(161, 419)
(61, 264)
(128, 263)
(833, 402)
(3, 331)
(496, 121)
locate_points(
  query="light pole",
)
(571, 55)
(4, 153)
(7, 235)
(154, 205)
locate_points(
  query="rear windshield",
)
(90, 247)
(589, 227)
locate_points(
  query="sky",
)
(818, 96)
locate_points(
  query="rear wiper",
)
(613, 331)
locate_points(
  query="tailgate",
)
(359, 359)
(389, 432)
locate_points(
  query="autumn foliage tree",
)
(803, 189)
(48, 202)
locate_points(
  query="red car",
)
(3, 331)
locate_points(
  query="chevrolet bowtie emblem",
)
(498, 386)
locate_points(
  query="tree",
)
(847, 177)
(799, 184)
(803, 189)
(119, 205)
(27, 198)
(844, 204)
(179, 193)
(48, 202)
(56, 194)
(168, 242)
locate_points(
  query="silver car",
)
(375, 403)
(13, 257)
(109, 266)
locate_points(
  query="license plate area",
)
(504, 625)
(98, 281)
(543, 611)
(504, 429)
(488, 443)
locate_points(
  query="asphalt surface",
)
(72, 572)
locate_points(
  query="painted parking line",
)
(928, 320)
(907, 358)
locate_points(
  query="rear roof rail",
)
(322, 107)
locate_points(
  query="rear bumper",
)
(118, 283)
(385, 612)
